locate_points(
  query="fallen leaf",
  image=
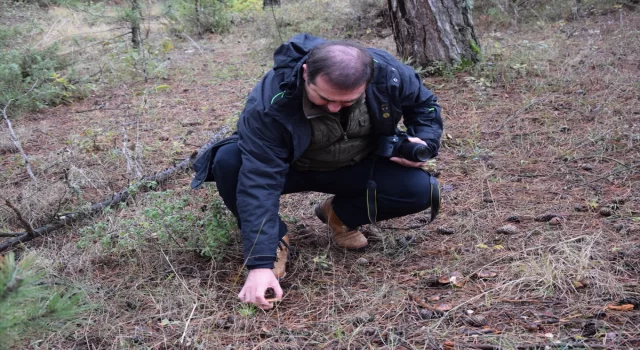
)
(434, 298)
(482, 246)
(420, 302)
(579, 284)
(443, 307)
(624, 307)
(484, 274)
(448, 345)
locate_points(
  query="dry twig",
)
(25, 224)
(193, 42)
(186, 326)
(14, 138)
(131, 164)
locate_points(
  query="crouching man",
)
(324, 119)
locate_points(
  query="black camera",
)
(399, 146)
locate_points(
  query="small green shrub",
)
(7, 35)
(171, 221)
(244, 8)
(198, 16)
(32, 78)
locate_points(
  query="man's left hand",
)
(407, 162)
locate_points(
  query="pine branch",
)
(9, 279)
(34, 305)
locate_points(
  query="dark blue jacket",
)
(273, 132)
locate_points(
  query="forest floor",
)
(537, 243)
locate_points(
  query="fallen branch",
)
(9, 234)
(122, 196)
(25, 224)
(14, 138)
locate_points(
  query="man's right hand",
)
(257, 283)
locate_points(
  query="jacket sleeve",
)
(420, 109)
(264, 148)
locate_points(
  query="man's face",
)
(320, 93)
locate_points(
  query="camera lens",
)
(414, 151)
(422, 153)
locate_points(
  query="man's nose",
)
(334, 107)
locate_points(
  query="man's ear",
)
(304, 72)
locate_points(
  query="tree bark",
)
(136, 38)
(433, 32)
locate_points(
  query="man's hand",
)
(257, 283)
(409, 163)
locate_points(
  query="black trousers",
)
(400, 190)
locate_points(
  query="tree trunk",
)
(433, 32)
(136, 38)
(270, 3)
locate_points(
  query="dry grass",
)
(549, 127)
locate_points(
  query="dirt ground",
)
(537, 244)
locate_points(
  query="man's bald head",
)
(345, 65)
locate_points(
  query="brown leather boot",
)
(282, 254)
(342, 236)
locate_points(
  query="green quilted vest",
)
(332, 145)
